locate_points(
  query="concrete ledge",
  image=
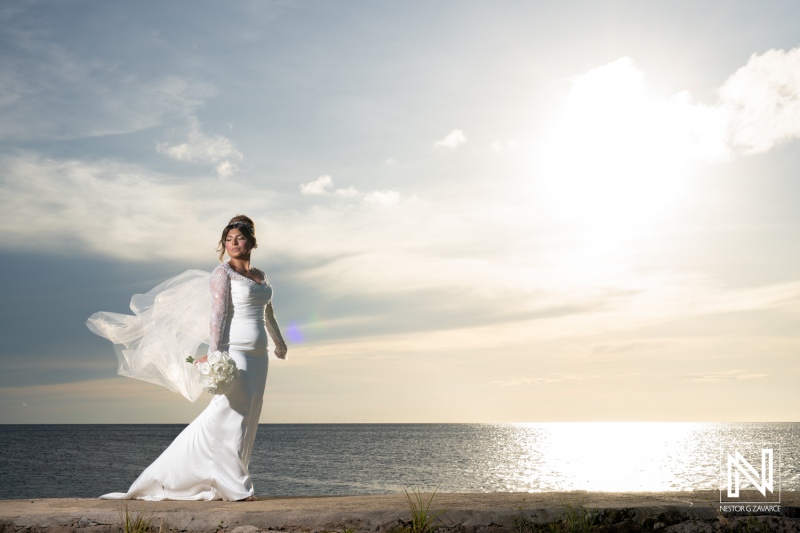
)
(460, 513)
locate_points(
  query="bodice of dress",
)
(248, 300)
(235, 298)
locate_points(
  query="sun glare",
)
(617, 158)
(609, 456)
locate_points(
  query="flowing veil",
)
(170, 323)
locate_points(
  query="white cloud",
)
(346, 193)
(452, 139)
(763, 101)
(116, 209)
(625, 135)
(617, 156)
(523, 382)
(200, 148)
(383, 198)
(111, 208)
(508, 145)
(725, 375)
(323, 186)
(318, 186)
(225, 169)
(40, 75)
(758, 108)
(611, 109)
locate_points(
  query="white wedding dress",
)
(209, 459)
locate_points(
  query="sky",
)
(469, 211)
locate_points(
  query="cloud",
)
(109, 208)
(508, 145)
(383, 198)
(318, 186)
(225, 169)
(116, 209)
(763, 101)
(452, 140)
(50, 90)
(618, 155)
(524, 382)
(609, 116)
(619, 350)
(727, 375)
(323, 186)
(97, 401)
(199, 148)
(103, 99)
(346, 193)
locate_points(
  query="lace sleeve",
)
(220, 293)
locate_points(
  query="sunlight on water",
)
(338, 459)
(612, 456)
(615, 457)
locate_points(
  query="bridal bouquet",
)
(218, 372)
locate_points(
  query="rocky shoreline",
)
(675, 512)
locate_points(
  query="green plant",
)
(138, 523)
(577, 519)
(421, 517)
(523, 524)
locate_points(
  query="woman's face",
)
(236, 245)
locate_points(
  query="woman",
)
(209, 459)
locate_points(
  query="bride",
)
(209, 459)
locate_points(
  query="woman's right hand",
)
(201, 360)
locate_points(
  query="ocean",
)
(69, 461)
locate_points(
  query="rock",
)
(245, 529)
(85, 522)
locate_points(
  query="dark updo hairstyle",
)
(245, 225)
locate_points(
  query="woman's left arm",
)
(275, 332)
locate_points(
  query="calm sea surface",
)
(57, 461)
